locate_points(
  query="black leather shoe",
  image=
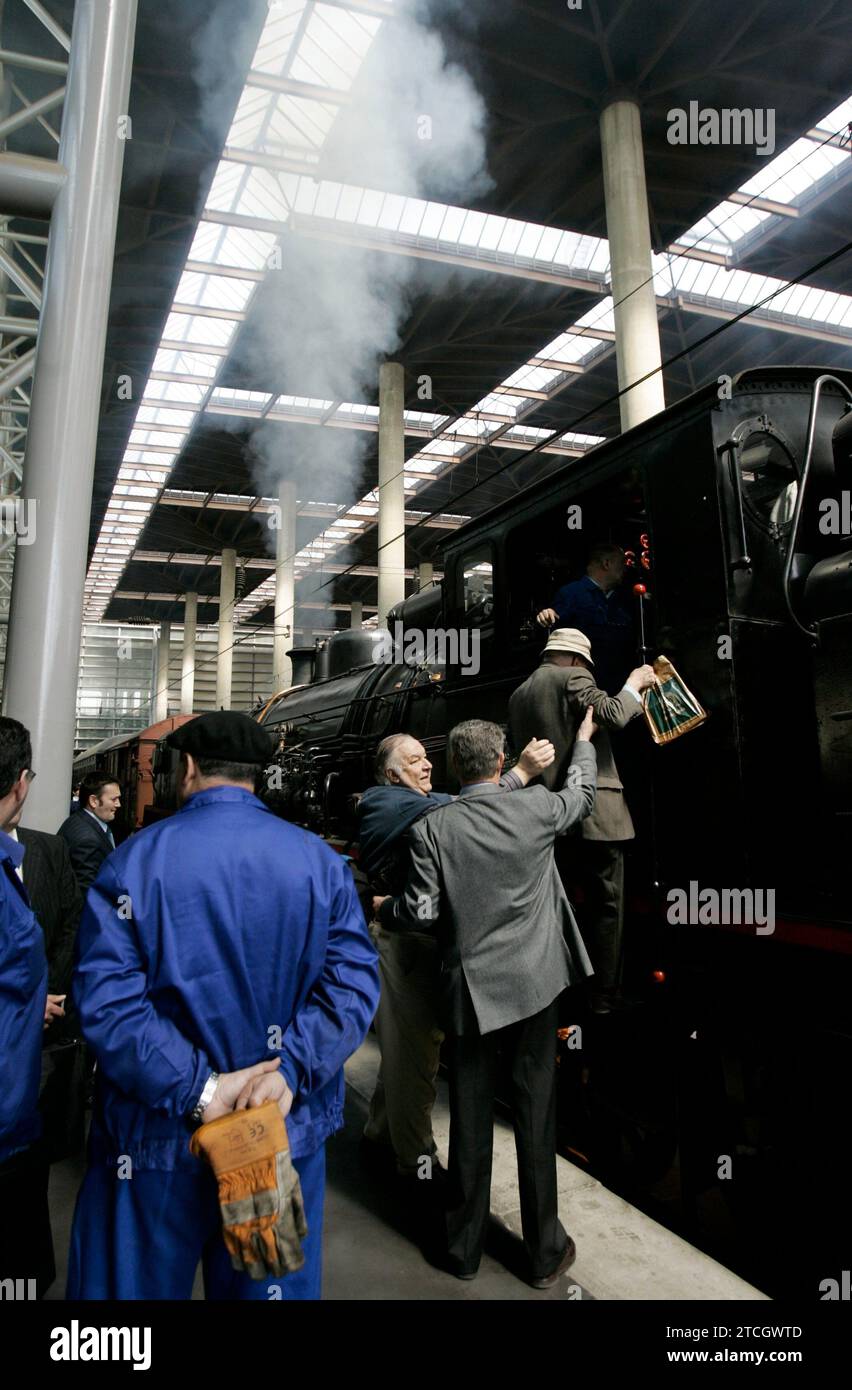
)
(548, 1280)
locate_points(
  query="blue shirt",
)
(215, 939)
(23, 994)
(608, 623)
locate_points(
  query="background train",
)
(718, 1102)
(129, 759)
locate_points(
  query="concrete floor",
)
(372, 1229)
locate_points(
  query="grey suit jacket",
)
(551, 704)
(483, 876)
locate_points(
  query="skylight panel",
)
(602, 316)
(331, 49)
(277, 36)
(215, 332)
(838, 118)
(413, 214)
(242, 247)
(511, 236)
(453, 222)
(176, 391)
(370, 209)
(531, 378)
(472, 228)
(530, 239)
(295, 124)
(206, 240)
(391, 213)
(260, 195)
(432, 220)
(226, 186)
(250, 117)
(350, 202)
(493, 404)
(327, 198)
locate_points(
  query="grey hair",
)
(474, 748)
(387, 756)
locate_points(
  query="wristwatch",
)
(205, 1098)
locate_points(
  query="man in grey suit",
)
(483, 876)
(553, 700)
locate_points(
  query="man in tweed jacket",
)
(483, 876)
(554, 700)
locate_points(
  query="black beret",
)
(226, 735)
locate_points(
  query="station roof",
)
(251, 212)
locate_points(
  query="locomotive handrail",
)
(732, 448)
(810, 632)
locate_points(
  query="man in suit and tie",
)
(554, 700)
(88, 833)
(483, 876)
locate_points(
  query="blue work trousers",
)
(142, 1237)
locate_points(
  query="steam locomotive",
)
(716, 1101)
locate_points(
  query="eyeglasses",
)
(30, 774)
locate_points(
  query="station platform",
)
(371, 1248)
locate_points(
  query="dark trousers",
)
(26, 1243)
(527, 1052)
(596, 867)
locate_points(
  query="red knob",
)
(659, 976)
(639, 589)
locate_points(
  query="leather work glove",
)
(263, 1215)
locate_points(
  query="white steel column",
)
(161, 700)
(47, 598)
(187, 668)
(391, 489)
(637, 333)
(285, 589)
(356, 617)
(225, 645)
(424, 574)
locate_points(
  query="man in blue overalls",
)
(26, 1250)
(211, 941)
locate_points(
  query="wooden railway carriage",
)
(128, 758)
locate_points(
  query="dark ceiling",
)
(545, 72)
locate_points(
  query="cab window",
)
(477, 587)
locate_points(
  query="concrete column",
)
(391, 490)
(225, 646)
(187, 668)
(47, 598)
(285, 589)
(356, 617)
(423, 575)
(637, 333)
(161, 699)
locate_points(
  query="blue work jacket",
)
(211, 941)
(608, 623)
(23, 993)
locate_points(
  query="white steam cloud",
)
(321, 326)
